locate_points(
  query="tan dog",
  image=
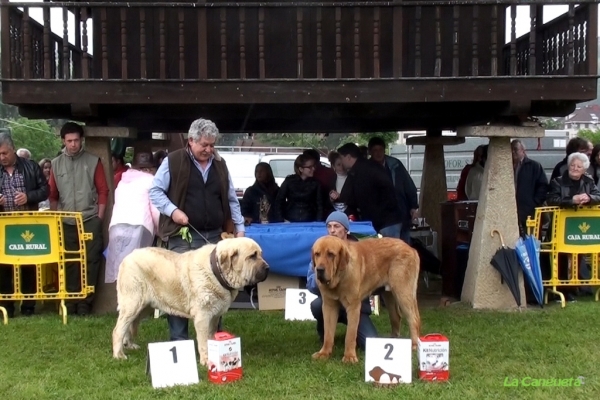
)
(199, 284)
(348, 272)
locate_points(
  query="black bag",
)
(429, 262)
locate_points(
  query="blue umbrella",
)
(528, 253)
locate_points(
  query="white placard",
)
(173, 363)
(388, 360)
(297, 304)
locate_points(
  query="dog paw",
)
(120, 356)
(320, 355)
(204, 360)
(350, 359)
(132, 346)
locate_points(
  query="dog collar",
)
(217, 271)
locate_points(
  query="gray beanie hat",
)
(340, 217)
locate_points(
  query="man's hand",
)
(179, 217)
(239, 234)
(2, 200)
(414, 213)
(20, 199)
(333, 195)
(247, 220)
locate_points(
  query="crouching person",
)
(339, 225)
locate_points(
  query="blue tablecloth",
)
(286, 246)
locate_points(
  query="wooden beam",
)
(515, 89)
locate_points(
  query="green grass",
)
(42, 359)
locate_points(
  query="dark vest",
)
(202, 202)
(205, 204)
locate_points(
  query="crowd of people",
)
(191, 187)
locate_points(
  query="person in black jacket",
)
(264, 187)
(373, 193)
(22, 186)
(576, 144)
(299, 199)
(531, 184)
(573, 188)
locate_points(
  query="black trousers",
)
(178, 326)
(93, 256)
(28, 286)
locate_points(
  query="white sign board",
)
(388, 361)
(297, 304)
(173, 363)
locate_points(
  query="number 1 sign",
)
(388, 361)
(297, 304)
(173, 363)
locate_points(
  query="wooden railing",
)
(294, 41)
(567, 45)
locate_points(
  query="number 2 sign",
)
(297, 304)
(388, 361)
(173, 363)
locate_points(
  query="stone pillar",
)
(97, 142)
(497, 209)
(434, 189)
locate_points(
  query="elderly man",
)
(531, 184)
(24, 153)
(339, 225)
(192, 188)
(78, 184)
(22, 187)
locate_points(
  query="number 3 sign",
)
(173, 363)
(388, 361)
(297, 304)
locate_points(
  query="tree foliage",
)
(553, 123)
(322, 141)
(36, 136)
(592, 136)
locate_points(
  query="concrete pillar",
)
(434, 189)
(497, 209)
(97, 142)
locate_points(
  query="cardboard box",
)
(434, 357)
(271, 292)
(224, 358)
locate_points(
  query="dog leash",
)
(185, 234)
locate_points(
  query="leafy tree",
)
(592, 136)
(362, 139)
(36, 136)
(553, 123)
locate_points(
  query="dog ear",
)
(343, 257)
(226, 258)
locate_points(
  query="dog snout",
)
(320, 273)
(262, 273)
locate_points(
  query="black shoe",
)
(83, 309)
(27, 312)
(570, 298)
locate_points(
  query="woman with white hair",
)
(574, 187)
(571, 189)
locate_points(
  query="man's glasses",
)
(308, 166)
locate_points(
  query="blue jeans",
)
(392, 231)
(178, 326)
(366, 328)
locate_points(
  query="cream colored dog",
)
(199, 284)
